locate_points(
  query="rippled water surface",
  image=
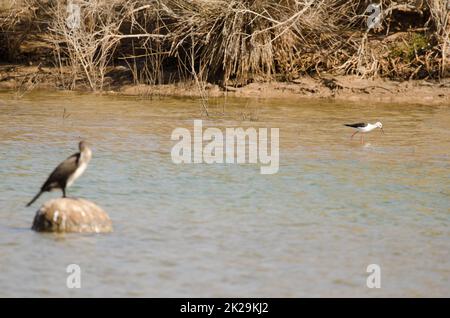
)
(334, 207)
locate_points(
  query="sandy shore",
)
(347, 88)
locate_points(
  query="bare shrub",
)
(89, 45)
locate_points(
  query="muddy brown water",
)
(334, 207)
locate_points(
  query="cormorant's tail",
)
(35, 198)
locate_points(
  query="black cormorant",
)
(67, 172)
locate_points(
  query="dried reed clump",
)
(249, 40)
(440, 15)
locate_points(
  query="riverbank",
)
(211, 48)
(347, 88)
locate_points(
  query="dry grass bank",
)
(226, 43)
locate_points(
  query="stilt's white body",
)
(364, 128)
(367, 129)
(85, 157)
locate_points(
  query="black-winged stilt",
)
(365, 128)
(67, 171)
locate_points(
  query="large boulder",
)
(71, 215)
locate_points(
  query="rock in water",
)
(71, 215)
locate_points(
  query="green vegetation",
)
(414, 44)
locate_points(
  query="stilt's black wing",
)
(61, 173)
(357, 125)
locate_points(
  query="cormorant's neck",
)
(85, 155)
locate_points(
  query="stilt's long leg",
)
(362, 138)
(354, 134)
(64, 192)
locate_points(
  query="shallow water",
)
(334, 207)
